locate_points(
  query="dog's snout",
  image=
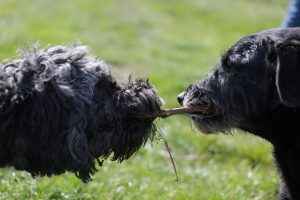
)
(180, 97)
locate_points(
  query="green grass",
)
(174, 43)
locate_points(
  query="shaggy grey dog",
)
(256, 88)
(61, 110)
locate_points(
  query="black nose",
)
(180, 97)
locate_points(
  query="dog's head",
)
(257, 74)
(120, 112)
(120, 123)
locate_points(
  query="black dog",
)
(256, 88)
(61, 109)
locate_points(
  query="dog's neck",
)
(263, 125)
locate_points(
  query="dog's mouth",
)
(206, 111)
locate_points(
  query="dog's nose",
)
(180, 97)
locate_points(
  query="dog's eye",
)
(291, 47)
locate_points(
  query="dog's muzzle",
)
(198, 101)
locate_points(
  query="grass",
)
(174, 43)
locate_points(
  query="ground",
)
(174, 43)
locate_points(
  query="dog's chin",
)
(203, 124)
(210, 123)
(207, 116)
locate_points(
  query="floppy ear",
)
(288, 72)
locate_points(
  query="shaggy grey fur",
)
(256, 88)
(61, 109)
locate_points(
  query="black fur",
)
(256, 87)
(61, 109)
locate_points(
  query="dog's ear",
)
(288, 72)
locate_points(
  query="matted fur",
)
(61, 109)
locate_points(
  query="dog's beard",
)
(217, 124)
(139, 99)
(131, 131)
(220, 121)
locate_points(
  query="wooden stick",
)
(178, 111)
(181, 111)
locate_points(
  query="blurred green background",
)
(174, 43)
